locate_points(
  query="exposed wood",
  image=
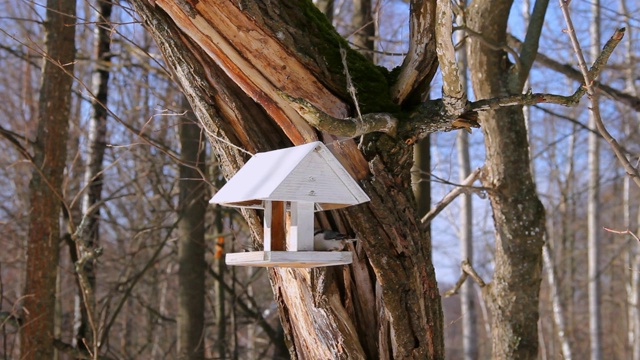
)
(453, 90)
(418, 67)
(385, 229)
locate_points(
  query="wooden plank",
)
(278, 228)
(292, 259)
(301, 231)
(266, 244)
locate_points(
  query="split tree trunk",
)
(386, 305)
(49, 157)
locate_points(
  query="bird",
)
(329, 240)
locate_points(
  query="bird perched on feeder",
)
(329, 240)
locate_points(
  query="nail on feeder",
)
(298, 180)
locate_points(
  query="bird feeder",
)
(291, 183)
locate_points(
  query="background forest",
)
(138, 171)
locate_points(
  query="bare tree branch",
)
(571, 72)
(590, 89)
(467, 270)
(464, 186)
(531, 41)
(453, 93)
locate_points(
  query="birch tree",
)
(467, 292)
(593, 204)
(93, 178)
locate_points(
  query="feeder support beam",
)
(301, 232)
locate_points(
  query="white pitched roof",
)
(307, 172)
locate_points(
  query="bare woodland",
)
(501, 138)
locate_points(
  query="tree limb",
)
(467, 270)
(453, 94)
(590, 89)
(571, 72)
(433, 115)
(463, 187)
(419, 65)
(531, 40)
(13, 139)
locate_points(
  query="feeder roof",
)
(305, 173)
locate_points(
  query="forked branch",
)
(589, 77)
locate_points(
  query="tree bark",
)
(192, 207)
(387, 303)
(467, 293)
(49, 157)
(518, 214)
(84, 337)
(593, 204)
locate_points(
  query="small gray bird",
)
(329, 240)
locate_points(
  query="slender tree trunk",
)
(49, 156)
(556, 303)
(191, 244)
(518, 214)
(364, 28)
(93, 179)
(467, 293)
(327, 8)
(632, 257)
(593, 203)
(221, 313)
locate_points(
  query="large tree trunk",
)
(386, 305)
(192, 207)
(517, 212)
(49, 156)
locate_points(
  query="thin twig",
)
(623, 232)
(467, 270)
(447, 199)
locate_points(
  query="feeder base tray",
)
(294, 259)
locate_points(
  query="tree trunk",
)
(593, 204)
(633, 255)
(84, 337)
(467, 293)
(49, 156)
(192, 207)
(556, 303)
(518, 214)
(387, 303)
(364, 30)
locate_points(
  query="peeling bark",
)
(232, 81)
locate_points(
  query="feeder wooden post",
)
(274, 226)
(301, 232)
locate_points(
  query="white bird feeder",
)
(297, 180)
